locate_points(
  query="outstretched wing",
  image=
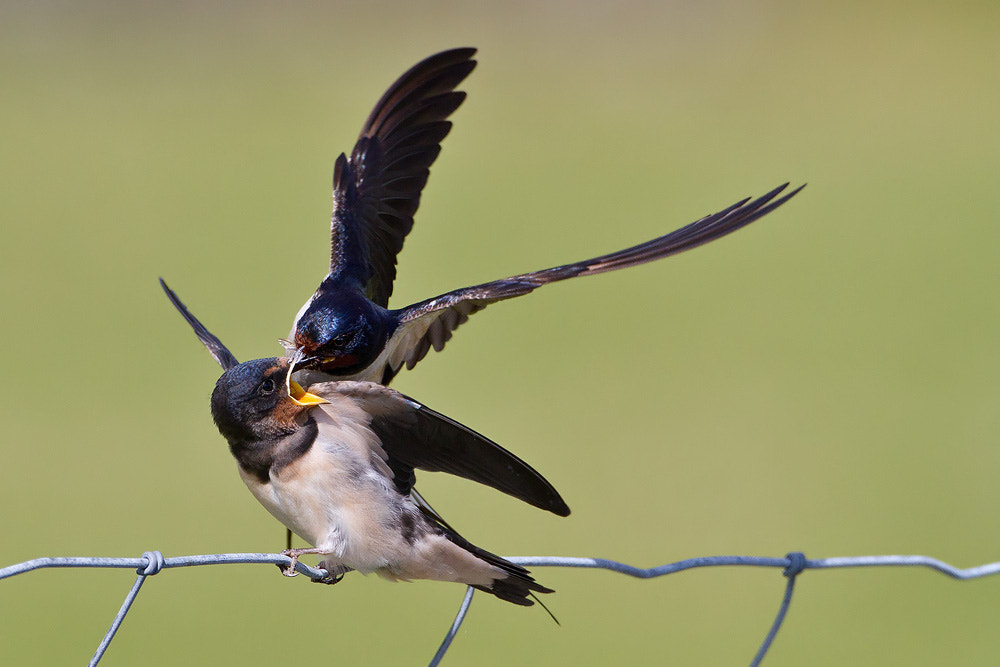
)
(430, 323)
(415, 437)
(215, 347)
(377, 190)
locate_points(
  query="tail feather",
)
(517, 587)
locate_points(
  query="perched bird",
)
(336, 464)
(346, 329)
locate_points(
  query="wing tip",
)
(560, 508)
(219, 352)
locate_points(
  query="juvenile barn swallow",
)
(335, 464)
(346, 330)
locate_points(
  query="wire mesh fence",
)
(792, 565)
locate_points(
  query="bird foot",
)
(289, 570)
(334, 574)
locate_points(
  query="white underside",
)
(340, 498)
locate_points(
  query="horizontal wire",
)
(151, 563)
(758, 561)
(987, 569)
(177, 561)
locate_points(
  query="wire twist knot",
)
(152, 565)
(796, 563)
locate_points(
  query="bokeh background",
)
(824, 381)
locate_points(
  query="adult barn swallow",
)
(346, 329)
(335, 464)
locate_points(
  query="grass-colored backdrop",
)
(824, 381)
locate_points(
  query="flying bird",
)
(336, 465)
(346, 330)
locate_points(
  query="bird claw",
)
(334, 574)
(289, 570)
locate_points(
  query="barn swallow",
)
(346, 330)
(335, 464)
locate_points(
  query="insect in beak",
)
(295, 390)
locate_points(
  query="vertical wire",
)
(453, 630)
(126, 605)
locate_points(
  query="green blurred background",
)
(823, 381)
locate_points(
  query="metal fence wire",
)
(793, 564)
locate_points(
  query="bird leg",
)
(294, 555)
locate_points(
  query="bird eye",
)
(343, 339)
(266, 387)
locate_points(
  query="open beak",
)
(303, 397)
(295, 390)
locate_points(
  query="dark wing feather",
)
(430, 323)
(215, 347)
(377, 190)
(415, 437)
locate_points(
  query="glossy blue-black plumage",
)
(345, 330)
(342, 329)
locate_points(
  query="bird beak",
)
(295, 390)
(301, 396)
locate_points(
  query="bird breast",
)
(335, 496)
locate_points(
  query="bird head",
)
(340, 332)
(258, 399)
